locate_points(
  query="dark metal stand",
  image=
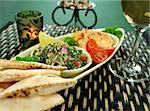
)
(75, 16)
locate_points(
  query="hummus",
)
(102, 38)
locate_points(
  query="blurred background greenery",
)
(109, 12)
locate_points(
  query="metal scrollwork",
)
(75, 16)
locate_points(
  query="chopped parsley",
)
(60, 55)
(27, 58)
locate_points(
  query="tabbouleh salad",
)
(60, 55)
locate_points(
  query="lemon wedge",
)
(45, 39)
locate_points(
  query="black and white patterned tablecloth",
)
(100, 90)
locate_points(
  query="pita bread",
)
(36, 103)
(37, 85)
(1, 68)
(27, 65)
(1, 90)
(10, 75)
(6, 84)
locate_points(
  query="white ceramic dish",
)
(117, 46)
(72, 73)
(65, 73)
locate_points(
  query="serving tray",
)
(90, 69)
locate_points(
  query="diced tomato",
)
(91, 44)
(110, 51)
(83, 57)
(99, 54)
(77, 63)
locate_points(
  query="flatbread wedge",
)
(1, 89)
(35, 103)
(11, 64)
(5, 85)
(10, 75)
(37, 85)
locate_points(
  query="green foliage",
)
(70, 41)
(27, 58)
(113, 30)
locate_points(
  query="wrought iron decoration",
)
(75, 15)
